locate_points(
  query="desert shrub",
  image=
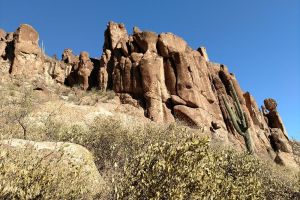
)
(16, 104)
(280, 183)
(189, 169)
(174, 162)
(112, 140)
(27, 175)
(138, 161)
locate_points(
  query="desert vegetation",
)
(136, 160)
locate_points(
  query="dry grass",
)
(139, 161)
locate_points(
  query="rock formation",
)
(161, 74)
(272, 117)
(69, 58)
(85, 67)
(27, 54)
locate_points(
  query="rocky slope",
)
(162, 76)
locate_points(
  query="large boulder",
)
(60, 155)
(27, 53)
(273, 117)
(169, 43)
(270, 104)
(287, 160)
(116, 36)
(146, 40)
(279, 142)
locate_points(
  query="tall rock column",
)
(27, 53)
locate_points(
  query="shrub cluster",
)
(137, 161)
(25, 174)
(189, 169)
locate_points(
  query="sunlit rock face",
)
(158, 73)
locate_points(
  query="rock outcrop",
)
(161, 74)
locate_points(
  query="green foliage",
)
(32, 176)
(190, 169)
(137, 161)
(239, 118)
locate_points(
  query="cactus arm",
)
(239, 118)
(237, 102)
(232, 117)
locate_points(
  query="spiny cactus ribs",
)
(239, 118)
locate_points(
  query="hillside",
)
(148, 113)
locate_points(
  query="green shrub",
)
(24, 174)
(189, 170)
(137, 161)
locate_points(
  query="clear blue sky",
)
(259, 40)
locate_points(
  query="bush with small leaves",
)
(32, 176)
(189, 169)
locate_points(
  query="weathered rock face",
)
(272, 116)
(27, 54)
(174, 81)
(85, 68)
(159, 73)
(21, 56)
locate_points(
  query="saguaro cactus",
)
(239, 118)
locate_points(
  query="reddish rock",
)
(116, 36)
(2, 48)
(122, 75)
(153, 85)
(273, 117)
(160, 74)
(186, 77)
(27, 53)
(136, 79)
(279, 142)
(193, 79)
(193, 116)
(169, 43)
(176, 100)
(146, 40)
(287, 160)
(170, 76)
(69, 58)
(270, 104)
(2, 35)
(168, 117)
(202, 51)
(103, 73)
(254, 111)
(85, 67)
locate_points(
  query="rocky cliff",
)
(162, 75)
